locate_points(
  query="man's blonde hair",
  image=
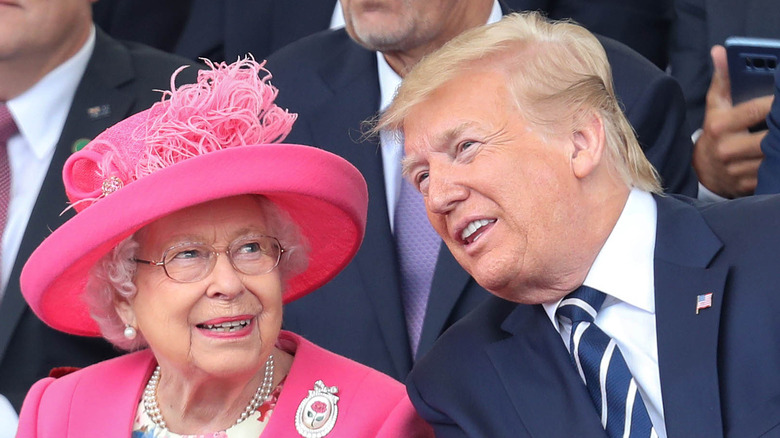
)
(557, 72)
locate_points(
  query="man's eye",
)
(422, 182)
(420, 178)
(465, 145)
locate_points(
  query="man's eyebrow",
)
(436, 142)
(450, 134)
(407, 163)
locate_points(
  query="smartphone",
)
(752, 64)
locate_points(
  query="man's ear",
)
(589, 142)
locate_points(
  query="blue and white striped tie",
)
(599, 362)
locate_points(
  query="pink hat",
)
(209, 140)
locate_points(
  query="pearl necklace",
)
(152, 408)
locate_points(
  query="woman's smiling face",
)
(226, 323)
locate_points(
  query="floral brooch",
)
(317, 413)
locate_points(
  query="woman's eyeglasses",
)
(189, 262)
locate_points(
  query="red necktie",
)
(7, 130)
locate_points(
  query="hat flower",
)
(230, 105)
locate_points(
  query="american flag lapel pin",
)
(703, 301)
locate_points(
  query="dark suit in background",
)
(504, 370)
(643, 25)
(120, 80)
(699, 25)
(224, 30)
(332, 83)
(155, 23)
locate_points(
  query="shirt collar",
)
(40, 112)
(623, 269)
(389, 81)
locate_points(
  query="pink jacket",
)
(101, 400)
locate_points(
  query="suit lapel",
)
(534, 368)
(352, 79)
(449, 283)
(97, 104)
(687, 341)
(105, 403)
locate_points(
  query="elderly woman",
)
(192, 231)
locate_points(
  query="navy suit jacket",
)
(504, 370)
(121, 79)
(332, 83)
(223, 30)
(700, 24)
(151, 22)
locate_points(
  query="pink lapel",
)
(105, 403)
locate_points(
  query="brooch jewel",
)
(317, 413)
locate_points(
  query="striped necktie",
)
(601, 366)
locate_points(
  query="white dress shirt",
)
(40, 114)
(623, 270)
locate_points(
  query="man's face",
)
(44, 29)
(399, 25)
(503, 198)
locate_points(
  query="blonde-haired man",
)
(617, 311)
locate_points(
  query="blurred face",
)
(48, 30)
(503, 198)
(402, 25)
(224, 324)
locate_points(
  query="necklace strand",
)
(152, 408)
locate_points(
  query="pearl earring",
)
(130, 332)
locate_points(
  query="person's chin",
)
(498, 276)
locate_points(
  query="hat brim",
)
(323, 194)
